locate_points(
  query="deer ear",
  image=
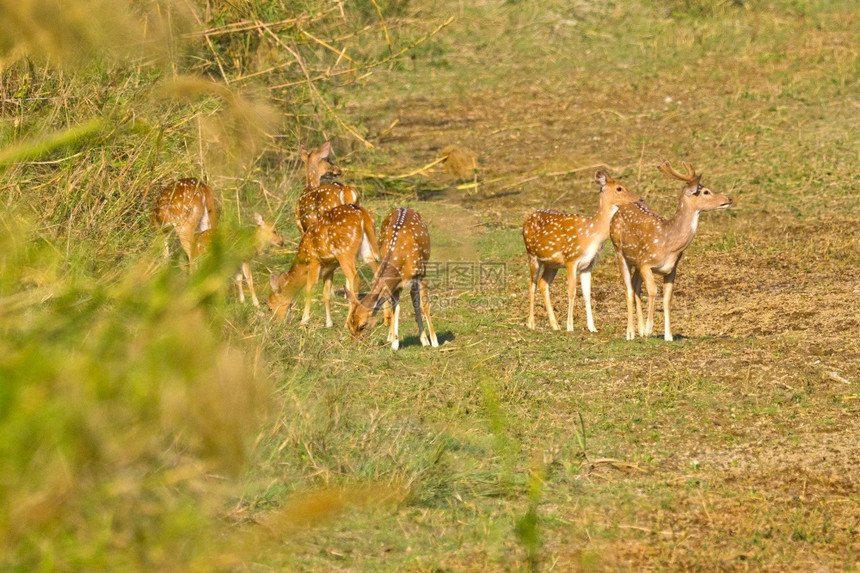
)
(325, 149)
(303, 152)
(693, 188)
(273, 282)
(258, 219)
(601, 177)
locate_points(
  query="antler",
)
(667, 169)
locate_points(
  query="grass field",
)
(149, 421)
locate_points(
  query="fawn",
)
(647, 244)
(187, 206)
(405, 249)
(317, 198)
(554, 240)
(333, 241)
(265, 235)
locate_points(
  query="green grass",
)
(150, 421)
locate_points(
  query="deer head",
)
(613, 191)
(317, 164)
(362, 313)
(266, 234)
(280, 300)
(695, 194)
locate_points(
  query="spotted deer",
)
(334, 241)
(318, 197)
(188, 207)
(647, 244)
(405, 248)
(265, 235)
(554, 240)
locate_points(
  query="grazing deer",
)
(187, 206)
(333, 241)
(265, 235)
(554, 240)
(405, 249)
(317, 198)
(647, 244)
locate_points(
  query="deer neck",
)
(380, 290)
(388, 280)
(681, 228)
(600, 221)
(261, 243)
(295, 279)
(312, 177)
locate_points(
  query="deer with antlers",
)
(647, 244)
(555, 240)
(405, 249)
(188, 207)
(333, 241)
(319, 197)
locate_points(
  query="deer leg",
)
(425, 306)
(352, 280)
(668, 285)
(546, 279)
(386, 313)
(186, 239)
(246, 272)
(312, 278)
(571, 292)
(167, 246)
(327, 276)
(585, 279)
(415, 292)
(535, 270)
(624, 269)
(651, 287)
(636, 278)
(239, 286)
(395, 322)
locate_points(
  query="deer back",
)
(405, 242)
(313, 202)
(338, 232)
(638, 233)
(186, 201)
(555, 236)
(548, 233)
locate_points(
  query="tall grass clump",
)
(129, 409)
(123, 414)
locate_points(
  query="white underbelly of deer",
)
(665, 266)
(589, 257)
